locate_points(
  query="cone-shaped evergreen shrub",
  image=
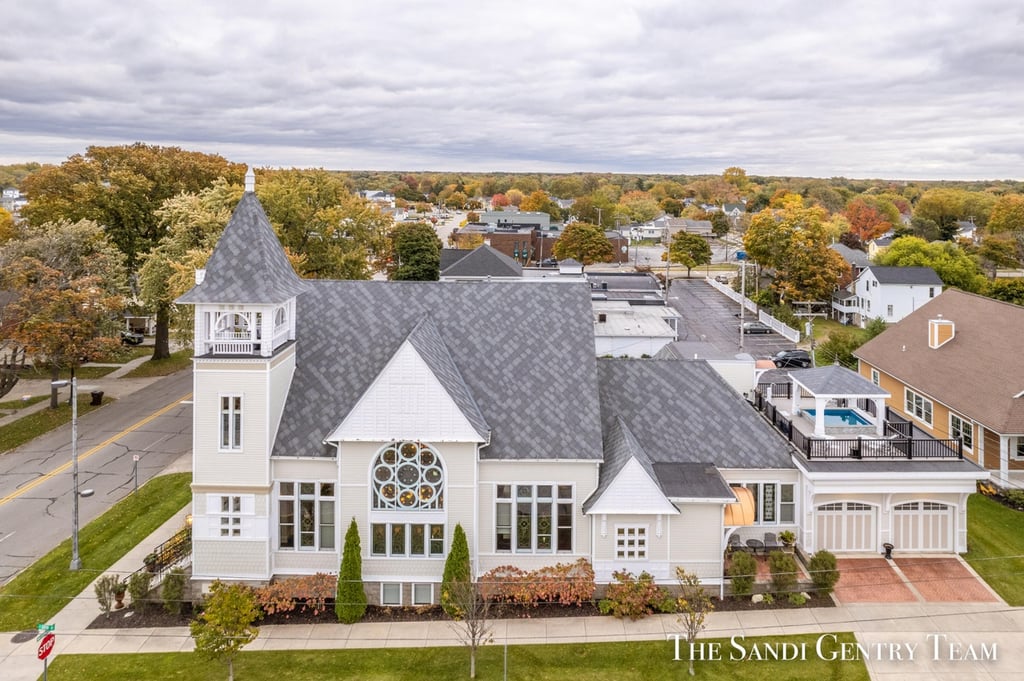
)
(350, 604)
(456, 570)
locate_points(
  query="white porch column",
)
(794, 400)
(880, 415)
(819, 416)
(979, 445)
(1004, 457)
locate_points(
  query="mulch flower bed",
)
(156, 616)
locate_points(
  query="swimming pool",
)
(840, 417)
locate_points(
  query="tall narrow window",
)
(306, 516)
(963, 429)
(231, 422)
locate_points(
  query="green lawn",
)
(21, 404)
(33, 425)
(81, 373)
(45, 587)
(182, 359)
(636, 660)
(995, 542)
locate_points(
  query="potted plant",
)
(119, 590)
(150, 562)
(788, 538)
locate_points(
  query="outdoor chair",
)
(734, 543)
(771, 542)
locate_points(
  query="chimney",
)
(940, 332)
(200, 276)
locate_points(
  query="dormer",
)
(245, 297)
(940, 332)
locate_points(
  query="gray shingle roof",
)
(620, 445)
(924, 276)
(836, 380)
(484, 261)
(450, 256)
(682, 411)
(692, 481)
(248, 265)
(852, 255)
(524, 353)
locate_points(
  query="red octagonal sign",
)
(46, 646)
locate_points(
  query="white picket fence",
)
(787, 332)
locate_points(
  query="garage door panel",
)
(846, 527)
(923, 526)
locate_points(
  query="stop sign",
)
(46, 646)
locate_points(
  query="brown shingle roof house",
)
(955, 369)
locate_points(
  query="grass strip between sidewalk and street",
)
(182, 359)
(42, 589)
(17, 404)
(33, 425)
(995, 542)
(616, 661)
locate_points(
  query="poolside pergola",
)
(835, 382)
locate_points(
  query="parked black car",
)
(792, 359)
(755, 327)
(131, 338)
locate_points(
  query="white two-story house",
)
(888, 293)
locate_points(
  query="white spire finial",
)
(250, 180)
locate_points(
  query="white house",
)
(409, 407)
(889, 293)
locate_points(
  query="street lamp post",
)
(76, 561)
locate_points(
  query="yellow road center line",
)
(63, 467)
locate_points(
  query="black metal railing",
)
(174, 552)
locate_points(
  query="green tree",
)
(225, 625)
(69, 284)
(1007, 290)
(998, 250)
(694, 605)
(350, 604)
(540, 202)
(950, 262)
(1007, 214)
(457, 573)
(838, 348)
(688, 250)
(415, 253)
(7, 231)
(944, 207)
(584, 242)
(737, 177)
(719, 224)
(671, 206)
(638, 207)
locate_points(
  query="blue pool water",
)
(840, 417)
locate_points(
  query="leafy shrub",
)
(309, 592)
(138, 589)
(797, 598)
(106, 587)
(784, 570)
(635, 597)
(173, 590)
(742, 570)
(824, 574)
(1015, 497)
(456, 570)
(350, 602)
(564, 583)
(768, 599)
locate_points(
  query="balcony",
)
(845, 301)
(900, 440)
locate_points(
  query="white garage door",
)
(922, 526)
(846, 526)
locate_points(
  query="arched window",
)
(408, 476)
(280, 317)
(232, 325)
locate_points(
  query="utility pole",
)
(598, 217)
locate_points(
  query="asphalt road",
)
(710, 316)
(36, 479)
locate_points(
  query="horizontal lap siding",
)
(239, 559)
(247, 466)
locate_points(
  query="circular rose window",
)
(408, 475)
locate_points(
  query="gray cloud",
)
(913, 89)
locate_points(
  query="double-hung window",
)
(533, 518)
(963, 429)
(306, 516)
(919, 407)
(774, 502)
(230, 422)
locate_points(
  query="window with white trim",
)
(533, 518)
(230, 516)
(631, 542)
(230, 422)
(963, 429)
(876, 378)
(774, 502)
(391, 593)
(888, 310)
(407, 539)
(422, 594)
(917, 406)
(1017, 451)
(306, 516)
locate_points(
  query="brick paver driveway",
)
(934, 580)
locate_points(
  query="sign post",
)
(45, 648)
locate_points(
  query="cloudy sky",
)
(916, 89)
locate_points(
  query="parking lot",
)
(712, 317)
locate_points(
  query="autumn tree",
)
(225, 625)
(68, 284)
(737, 177)
(584, 242)
(471, 623)
(688, 250)
(867, 221)
(944, 207)
(638, 207)
(415, 253)
(515, 196)
(950, 262)
(693, 605)
(998, 250)
(7, 230)
(540, 202)
(1007, 214)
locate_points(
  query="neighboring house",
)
(879, 244)
(733, 211)
(379, 197)
(888, 293)
(516, 218)
(483, 262)
(869, 477)
(966, 229)
(668, 227)
(857, 260)
(409, 407)
(954, 369)
(624, 330)
(635, 288)
(648, 230)
(12, 200)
